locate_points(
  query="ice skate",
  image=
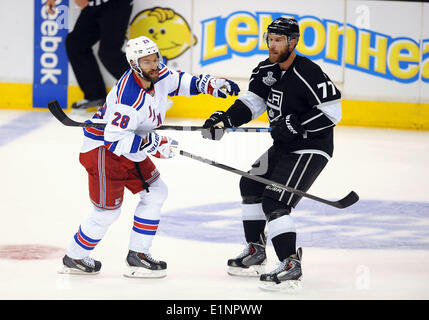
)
(251, 262)
(86, 266)
(286, 277)
(142, 265)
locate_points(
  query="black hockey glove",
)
(286, 129)
(215, 125)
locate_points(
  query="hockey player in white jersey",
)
(117, 156)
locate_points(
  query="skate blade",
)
(289, 286)
(67, 270)
(252, 271)
(138, 272)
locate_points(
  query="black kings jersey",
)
(305, 90)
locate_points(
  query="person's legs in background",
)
(113, 27)
(79, 43)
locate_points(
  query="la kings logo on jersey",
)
(274, 104)
(269, 80)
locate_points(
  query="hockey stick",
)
(345, 202)
(56, 110)
(351, 198)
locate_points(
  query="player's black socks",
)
(253, 230)
(284, 245)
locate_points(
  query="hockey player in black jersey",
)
(303, 107)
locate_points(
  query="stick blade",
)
(56, 110)
(348, 200)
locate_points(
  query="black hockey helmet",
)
(286, 26)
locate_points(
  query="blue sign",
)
(50, 77)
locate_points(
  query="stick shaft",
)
(350, 199)
(58, 112)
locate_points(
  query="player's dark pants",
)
(106, 23)
(297, 171)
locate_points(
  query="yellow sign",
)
(241, 34)
(168, 29)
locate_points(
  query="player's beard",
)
(283, 56)
(152, 75)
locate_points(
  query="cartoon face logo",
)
(168, 29)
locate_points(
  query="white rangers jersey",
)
(131, 111)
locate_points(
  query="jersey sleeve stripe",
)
(194, 89)
(320, 152)
(306, 83)
(139, 99)
(320, 129)
(313, 118)
(112, 146)
(93, 133)
(118, 84)
(121, 88)
(162, 77)
(255, 103)
(332, 109)
(261, 67)
(163, 71)
(176, 92)
(142, 103)
(136, 143)
(92, 136)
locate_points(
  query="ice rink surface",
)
(376, 249)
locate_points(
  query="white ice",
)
(44, 198)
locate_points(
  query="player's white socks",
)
(91, 231)
(147, 216)
(146, 220)
(252, 212)
(280, 225)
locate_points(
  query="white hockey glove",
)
(217, 87)
(159, 146)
